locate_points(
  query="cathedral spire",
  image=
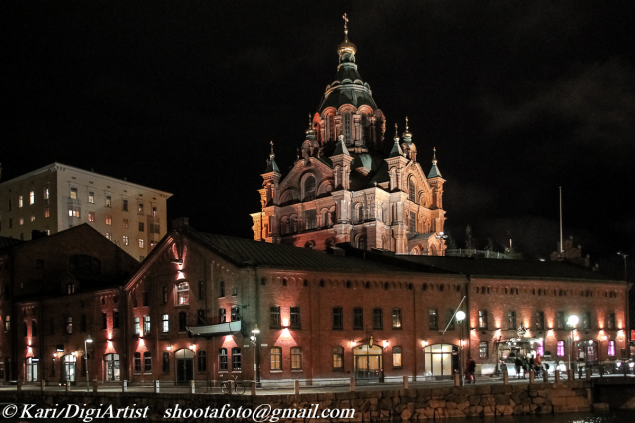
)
(310, 133)
(396, 148)
(434, 172)
(346, 46)
(407, 136)
(271, 162)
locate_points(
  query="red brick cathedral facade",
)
(348, 183)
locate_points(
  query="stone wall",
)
(396, 405)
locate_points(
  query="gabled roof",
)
(8, 242)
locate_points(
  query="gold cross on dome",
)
(345, 21)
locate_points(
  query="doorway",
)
(111, 367)
(441, 360)
(69, 367)
(184, 363)
(368, 362)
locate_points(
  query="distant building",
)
(57, 197)
(571, 254)
(349, 183)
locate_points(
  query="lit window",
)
(165, 328)
(7, 323)
(152, 245)
(20, 201)
(147, 361)
(74, 193)
(47, 212)
(611, 348)
(141, 243)
(482, 319)
(125, 240)
(125, 223)
(135, 328)
(396, 318)
(140, 209)
(236, 359)
(560, 348)
(108, 219)
(46, 193)
(146, 325)
(21, 221)
(124, 206)
(433, 320)
(108, 201)
(338, 359)
(222, 360)
(91, 216)
(109, 235)
(154, 211)
(296, 358)
(396, 357)
(32, 197)
(69, 325)
(511, 320)
(483, 349)
(183, 293)
(32, 217)
(276, 358)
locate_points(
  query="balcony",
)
(217, 328)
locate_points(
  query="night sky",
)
(518, 97)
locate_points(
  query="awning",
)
(228, 328)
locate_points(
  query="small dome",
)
(346, 46)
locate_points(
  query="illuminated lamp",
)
(424, 344)
(386, 343)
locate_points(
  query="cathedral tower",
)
(350, 184)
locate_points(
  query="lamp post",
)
(254, 341)
(460, 316)
(572, 321)
(87, 341)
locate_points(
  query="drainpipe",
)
(469, 316)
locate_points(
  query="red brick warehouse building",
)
(348, 312)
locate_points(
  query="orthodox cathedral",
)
(349, 184)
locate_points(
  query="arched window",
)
(361, 242)
(236, 359)
(359, 212)
(397, 352)
(222, 360)
(202, 361)
(412, 193)
(296, 358)
(309, 188)
(276, 358)
(347, 127)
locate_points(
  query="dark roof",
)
(247, 252)
(8, 242)
(510, 268)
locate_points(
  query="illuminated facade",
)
(348, 183)
(57, 197)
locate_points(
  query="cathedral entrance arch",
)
(184, 364)
(368, 362)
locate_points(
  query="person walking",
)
(518, 364)
(525, 364)
(472, 366)
(538, 364)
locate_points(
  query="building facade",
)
(56, 292)
(350, 184)
(57, 197)
(195, 303)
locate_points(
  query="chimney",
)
(180, 223)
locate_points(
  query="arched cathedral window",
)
(309, 188)
(411, 190)
(347, 127)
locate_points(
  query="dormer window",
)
(183, 293)
(309, 188)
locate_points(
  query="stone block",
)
(364, 406)
(538, 400)
(475, 399)
(533, 393)
(475, 410)
(368, 394)
(509, 410)
(501, 389)
(456, 413)
(460, 398)
(561, 392)
(577, 402)
(502, 399)
(483, 389)
(601, 406)
(533, 407)
(522, 395)
(526, 401)
(406, 414)
(525, 408)
(386, 404)
(488, 411)
(463, 405)
(518, 409)
(429, 412)
(373, 401)
(560, 401)
(437, 403)
(515, 398)
(450, 405)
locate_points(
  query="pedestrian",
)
(532, 362)
(467, 375)
(518, 364)
(538, 364)
(472, 365)
(525, 364)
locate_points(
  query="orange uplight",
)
(180, 276)
(424, 344)
(29, 352)
(229, 338)
(285, 322)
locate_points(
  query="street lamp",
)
(460, 316)
(87, 341)
(254, 341)
(572, 321)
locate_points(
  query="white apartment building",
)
(58, 197)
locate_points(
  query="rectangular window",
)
(310, 217)
(69, 325)
(338, 359)
(338, 318)
(115, 319)
(46, 193)
(200, 317)
(126, 240)
(91, 216)
(221, 287)
(397, 353)
(560, 348)
(104, 320)
(182, 321)
(146, 325)
(154, 211)
(165, 294)
(135, 328)
(166, 362)
(235, 314)
(511, 320)
(124, 205)
(47, 212)
(21, 221)
(32, 217)
(91, 197)
(296, 358)
(433, 322)
(141, 243)
(109, 236)
(295, 318)
(32, 197)
(155, 228)
(146, 299)
(165, 327)
(74, 193)
(108, 201)
(276, 358)
(540, 320)
(222, 360)
(413, 222)
(222, 315)
(378, 318)
(20, 201)
(125, 223)
(202, 361)
(448, 317)
(483, 350)
(560, 320)
(611, 348)
(147, 361)
(7, 323)
(201, 290)
(236, 359)
(586, 320)
(140, 209)
(610, 321)
(482, 319)
(396, 318)
(141, 227)
(137, 362)
(108, 219)
(358, 318)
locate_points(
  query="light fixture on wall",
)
(424, 344)
(386, 343)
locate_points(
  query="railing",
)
(464, 252)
